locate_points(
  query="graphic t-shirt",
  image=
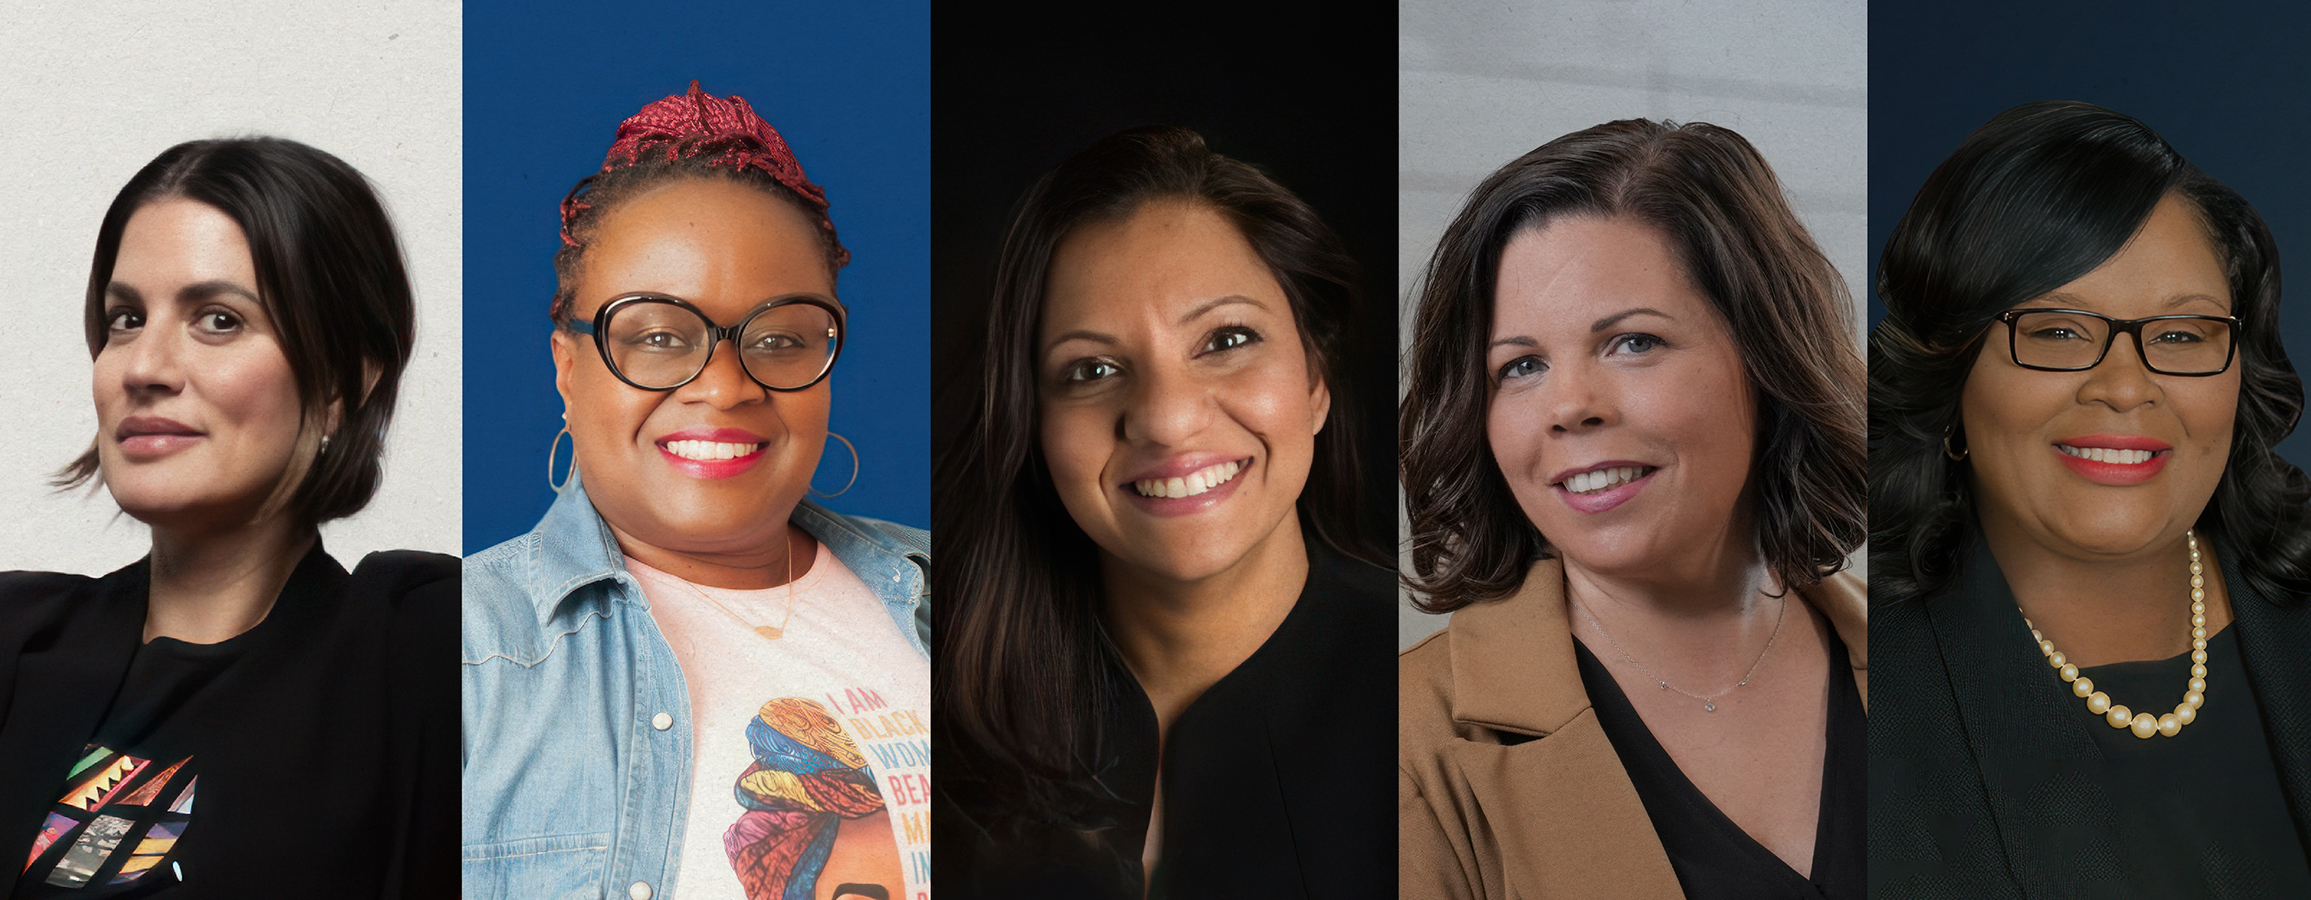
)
(811, 764)
(114, 829)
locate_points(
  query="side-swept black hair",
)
(2040, 195)
(330, 275)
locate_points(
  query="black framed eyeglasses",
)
(658, 342)
(2074, 340)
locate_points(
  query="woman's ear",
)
(1320, 395)
(565, 356)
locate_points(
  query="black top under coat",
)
(1713, 858)
(326, 737)
(1275, 780)
(1989, 779)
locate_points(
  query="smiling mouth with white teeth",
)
(2108, 455)
(1604, 479)
(709, 451)
(1191, 484)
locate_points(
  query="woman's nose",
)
(1168, 407)
(155, 360)
(2121, 381)
(724, 382)
(1578, 399)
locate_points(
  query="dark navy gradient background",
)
(546, 85)
(2230, 89)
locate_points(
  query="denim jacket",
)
(577, 736)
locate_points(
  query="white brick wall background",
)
(1480, 84)
(93, 92)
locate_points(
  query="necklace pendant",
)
(1664, 685)
(1708, 706)
(770, 632)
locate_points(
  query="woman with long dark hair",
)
(2090, 559)
(1161, 657)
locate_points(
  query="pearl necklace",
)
(2142, 724)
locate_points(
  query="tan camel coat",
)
(1505, 784)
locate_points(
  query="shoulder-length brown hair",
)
(1722, 210)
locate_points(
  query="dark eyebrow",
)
(2073, 301)
(1216, 303)
(203, 290)
(200, 290)
(1594, 327)
(1079, 335)
(1607, 322)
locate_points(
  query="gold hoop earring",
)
(554, 447)
(854, 468)
(1954, 455)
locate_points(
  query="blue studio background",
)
(2225, 85)
(546, 85)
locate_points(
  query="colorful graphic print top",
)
(119, 820)
(811, 767)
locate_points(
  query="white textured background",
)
(90, 92)
(1480, 84)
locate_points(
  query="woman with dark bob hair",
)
(1632, 462)
(1160, 667)
(2065, 523)
(235, 715)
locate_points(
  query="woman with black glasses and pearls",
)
(688, 678)
(2091, 563)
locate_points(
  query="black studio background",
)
(2229, 85)
(1016, 90)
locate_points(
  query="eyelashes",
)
(1219, 342)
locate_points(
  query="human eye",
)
(218, 322)
(1521, 367)
(2182, 333)
(1229, 338)
(1089, 371)
(775, 341)
(123, 319)
(1637, 344)
(660, 339)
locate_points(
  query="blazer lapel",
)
(2027, 734)
(2271, 641)
(1581, 830)
(62, 687)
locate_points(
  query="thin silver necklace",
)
(1708, 703)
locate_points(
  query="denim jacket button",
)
(661, 722)
(641, 889)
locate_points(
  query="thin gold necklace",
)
(768, 632)
(1709, 703)
(2194, 693)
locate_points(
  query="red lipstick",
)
(697, 452)
(2111, 472)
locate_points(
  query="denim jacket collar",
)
(576, 549)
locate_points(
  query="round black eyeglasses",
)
(658, 342)
(2072, 340)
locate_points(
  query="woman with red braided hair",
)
(688, 680)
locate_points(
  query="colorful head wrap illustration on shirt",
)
(807, 780)
(119, 818)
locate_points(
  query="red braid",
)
(722, 131)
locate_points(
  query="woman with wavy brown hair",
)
(1633, 460)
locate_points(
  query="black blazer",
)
(334, 767)
(1984, 776)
